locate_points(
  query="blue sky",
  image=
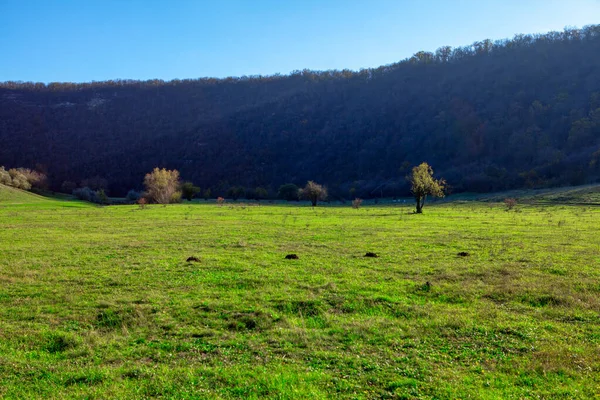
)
(85, 40)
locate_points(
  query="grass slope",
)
(13, 197)
(580, 195)
(99, 302)
(17, 196)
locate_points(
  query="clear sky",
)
(85, 40)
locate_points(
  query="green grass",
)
(99, 302)
(17, 198)
(578, 195)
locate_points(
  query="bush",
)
(133, 196)
(510, 203)
(289, 192)
(188, 190)
(101, 197)
(87, 194)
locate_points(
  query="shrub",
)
(85, 194)
(356, 203)
(101, 197)
(288, 192)
(510, 203)
(188, 190)
(133, 196)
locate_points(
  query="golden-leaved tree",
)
(423, 184)
(162, 186)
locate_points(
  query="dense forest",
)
(494, 115)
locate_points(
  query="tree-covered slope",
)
(491, 116)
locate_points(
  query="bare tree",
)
(162, 185)
(314, 192)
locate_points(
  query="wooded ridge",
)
(490, 116)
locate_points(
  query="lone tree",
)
(314, 192)
(188, 190)
(162, 185)
(423, 184)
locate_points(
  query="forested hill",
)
(490, 116)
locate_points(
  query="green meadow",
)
(100, 302)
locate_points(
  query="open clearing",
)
(100, 302)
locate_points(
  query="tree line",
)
(23, 178)
(491, 116)
(164, 187)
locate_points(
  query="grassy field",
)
(99, 302)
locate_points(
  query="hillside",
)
(519, 113)
(12, 197)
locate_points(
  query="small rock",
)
(291, 257)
